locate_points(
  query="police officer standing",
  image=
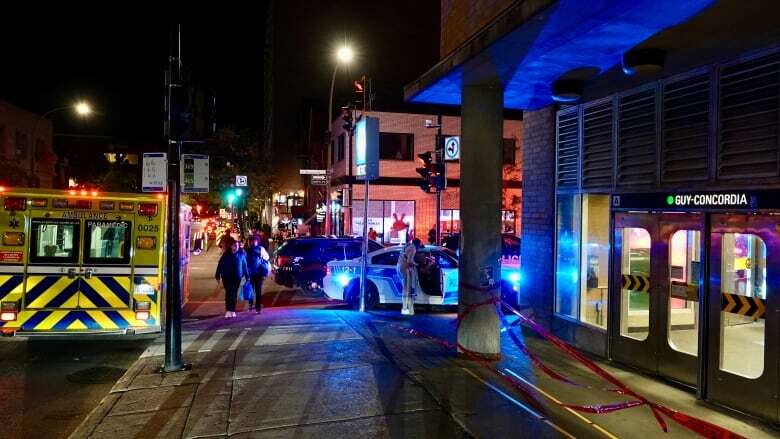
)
(407, 268)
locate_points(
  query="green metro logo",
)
(670, 200)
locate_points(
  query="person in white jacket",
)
(407, 268)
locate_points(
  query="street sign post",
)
(155, 173)
(367, 169)
(194, 173)
(241, 181)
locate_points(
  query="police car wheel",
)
(353, 295)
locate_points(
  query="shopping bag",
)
(247, 292)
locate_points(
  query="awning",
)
(534, 43)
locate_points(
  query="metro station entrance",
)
(694, 298)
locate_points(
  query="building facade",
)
(398, 208)
(651, 198)
(26, 148)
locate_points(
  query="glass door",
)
(657, 274)
(742, 366)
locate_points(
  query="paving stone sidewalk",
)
(286, 373)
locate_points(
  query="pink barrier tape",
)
(692, 423)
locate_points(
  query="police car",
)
(437, 285)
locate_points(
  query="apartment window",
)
(582, 258)
(396, 146)
(21, 144)
(341, 147)
(509, 151)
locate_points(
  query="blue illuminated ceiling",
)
(571, 34)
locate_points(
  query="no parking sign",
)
(452, 148)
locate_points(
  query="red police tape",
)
(700, 426)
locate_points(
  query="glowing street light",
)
(83, 108)
(345, 54)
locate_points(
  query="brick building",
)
(26, 148)
(398, 208)
(651, 178)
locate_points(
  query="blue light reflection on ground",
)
(576, 33)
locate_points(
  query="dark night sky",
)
(119, 66)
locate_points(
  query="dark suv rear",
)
(302, 262)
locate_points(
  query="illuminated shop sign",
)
(725, 200)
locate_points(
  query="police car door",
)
(448, 267)
(106, 270)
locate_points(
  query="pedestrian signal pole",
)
(173, 358)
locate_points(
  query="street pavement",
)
(312, 368)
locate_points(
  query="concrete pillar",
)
(538, 213)
(482, 124)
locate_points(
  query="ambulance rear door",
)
(106, 270)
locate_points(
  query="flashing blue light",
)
(343, 280)
(514, 277)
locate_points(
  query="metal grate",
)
(597, 145)
(686, 117)
(637, 139)
(567, 136)
(748, 138)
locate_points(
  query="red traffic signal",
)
(359, 87)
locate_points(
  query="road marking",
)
(529, 410)
(237, 341)
(213, 340)
(572, 411)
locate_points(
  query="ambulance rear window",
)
(107, 242)
(54, 241)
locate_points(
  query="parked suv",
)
(302, 262)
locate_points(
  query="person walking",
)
(407, 268)
(223, 241)
(257, 262)
(230, 269)
(372, 234)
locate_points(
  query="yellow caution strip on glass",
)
(743, 305)
(635, 282)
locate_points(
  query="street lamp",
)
(81, 108)
(344, 55)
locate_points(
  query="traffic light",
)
(440, 176)
(359, 86)
(427, 171)
(346, 116)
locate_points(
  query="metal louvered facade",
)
(711, 128)
(597, 157)
(636, 138)
(748, 105)
(686, 123)
(568, 150)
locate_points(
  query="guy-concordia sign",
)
(367, 148)
(154, 177)
(452, 148)
(194, 173)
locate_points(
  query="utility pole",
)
(173, 357)
(439, 159)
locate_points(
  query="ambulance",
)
(82, 262)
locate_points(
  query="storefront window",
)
(392, 220)
(450, 222)
(568, 254)
(594, 272)
(508, 224)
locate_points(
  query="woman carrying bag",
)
(257, 261)
(230, 269)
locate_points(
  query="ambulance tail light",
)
(146, 243)
(15, 203)
(147, 209)
(143, 310)
(14, 239)
(8, 311)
